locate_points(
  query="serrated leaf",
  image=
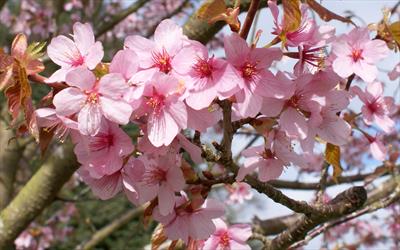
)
(19, 94)
(6, 69)
(394, 29)
(332, 156)
(326, 14)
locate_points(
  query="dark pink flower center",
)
(249, 70)
(294, 101)
(224, 240)
(356, 55)
(154, 176)
(267, 154)
(203, 68)
(162, 61)
(92, 97)
(374, 107)
(156, 102)
(101, 141)
(79, 61)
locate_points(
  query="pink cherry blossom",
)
(162, 177)
(239, 192)
(270, 158)
(108, 186)
(326, 123)
(180, 142)
(253, 79)
(377, 108)
(103, 153)
(126, 62)
(105, 187)
(377, 148)
(357, 53)
(202, 119)
(190, 223)
(165, 112)
(303, 105)
(93, 99)
(306, 32)
(158, 55)
(228, 238)
(69, 54)
(205, 77)
(48, 118)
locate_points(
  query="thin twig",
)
(249, 18)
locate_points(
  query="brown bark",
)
(38, 193)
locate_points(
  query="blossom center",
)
(203, 68)
(92, 97)
(154, 176)
(267, 154)
(79, 61)
(249, 70)
(356, 55)
(224, 240)
(101, 141)
(294, 101)
(162, 61)
(374, 107)
(156, 102)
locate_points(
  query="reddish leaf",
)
(326, 14)
(6, 69)
(27, 55)
(19, 94)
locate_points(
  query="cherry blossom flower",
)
(108, 186)
(239, 192)
(158, 55)
(205, 77)
(303, 105)
(229, 238)
(162, 177)
(186, 222)
(377, 107)
(376, 147)
(357, 53)
(69, 54)
(93, 99)
(326, 123)
(48, 118)
(254, 81)
(126, 62)
(105, 187)
(167, 115)
(270, 158)
(103, 153)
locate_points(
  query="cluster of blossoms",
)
(171, 83)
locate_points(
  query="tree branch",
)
(10, 154)
(120, 17)
(38, 193)
(251, 13)
(344, 203)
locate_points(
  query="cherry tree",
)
(146, 102)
